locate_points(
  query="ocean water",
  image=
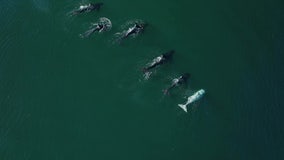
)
(64, 97)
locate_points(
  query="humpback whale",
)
(137, 28)
(158, 61)
(104, 24)
(177, 81)
(87, 8)
(196, 96)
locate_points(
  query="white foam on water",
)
(106, 22)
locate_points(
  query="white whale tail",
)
(183, 107)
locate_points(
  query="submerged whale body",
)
(196, 96)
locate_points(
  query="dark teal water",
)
(63, 97)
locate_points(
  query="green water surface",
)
(63, 97)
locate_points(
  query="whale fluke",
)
(183, 107)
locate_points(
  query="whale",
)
(96, 28)
(177, 81)
(87, 8)
(195, 97)
(158, 61)
(104, 24)
(136, 29)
